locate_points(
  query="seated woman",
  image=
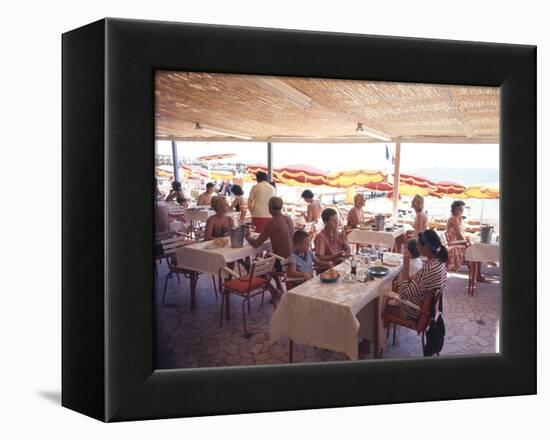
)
(219, 224)
(432, 276)
(176, 193)
(455, 233)
(302, 259)
(238, 203)
(421, 219)
(356, 214)
(331, 245)
(314, 207)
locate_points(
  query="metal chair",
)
(169, 247)
(254, 283)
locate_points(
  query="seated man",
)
(302, 259)
(206, 197)
(279, 229)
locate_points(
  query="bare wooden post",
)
(396, 180)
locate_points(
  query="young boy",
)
(416, 262)
(302, 258)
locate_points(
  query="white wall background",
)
(30, 124)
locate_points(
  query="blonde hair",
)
(417, 203)
(216, 202)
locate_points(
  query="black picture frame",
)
(108, 161)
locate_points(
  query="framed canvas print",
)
(262, 219)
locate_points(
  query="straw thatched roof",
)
(237, 107)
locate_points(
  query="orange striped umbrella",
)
(451, 189)
(412, 184)
(301, 175)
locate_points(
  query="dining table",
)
(476, 254)
(376, 238)
(206, 258)
(333, 315)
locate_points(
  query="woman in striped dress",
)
(431, 277)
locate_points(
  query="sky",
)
(335, 157)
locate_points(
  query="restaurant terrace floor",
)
(189, 339)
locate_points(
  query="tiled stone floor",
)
(188, 339)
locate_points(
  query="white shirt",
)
(258, 200)
(414, 266)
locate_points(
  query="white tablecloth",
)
(330, 315)
(196, 257)
(378, 238)
(485, 253)
(201, 215)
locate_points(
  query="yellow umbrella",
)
(482, 192)
(221, 175)
(359, 177)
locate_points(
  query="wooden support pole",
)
(396, 181)
(175, 160)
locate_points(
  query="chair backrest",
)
(170, 245)
(262, 267)
(431, 298)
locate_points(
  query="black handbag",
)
(435, 335)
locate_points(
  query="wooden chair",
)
(427, 311)
(169, 247)
(254, 283)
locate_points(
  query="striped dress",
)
(432, 276)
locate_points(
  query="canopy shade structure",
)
(218, 107)
(362, 177)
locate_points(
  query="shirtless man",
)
(279, 229)
(314, 207)
(206, 197)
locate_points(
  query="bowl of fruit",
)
(330, 276)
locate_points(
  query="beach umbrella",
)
(380, 186)
(211, 157)
(221, 175)
(483, 192)
(252, 169)
(194, 172)
(164, 171)
(412, 184)
(301, 175)
(359, 177)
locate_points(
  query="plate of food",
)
(330, 276)
(217, 243)
(378, 271)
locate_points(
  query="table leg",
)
(290, 351)
(193, 281)
(376, 318)
(227, 307)
(475, 268)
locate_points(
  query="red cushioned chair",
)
(256, 282)
(421, 324)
